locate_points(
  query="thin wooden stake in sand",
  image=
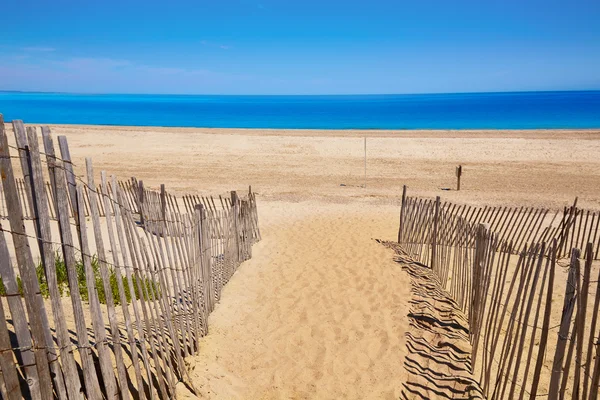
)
(458, 175)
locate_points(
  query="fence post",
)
(235, 205)
(22, 143)
(481, 245)
(163, 203)
(402, 214)
(435, 232)
(42, 224)
(565, 325)
(140, 198)
(197, 274)
(65, 154)
(205, 260)
(163, 211)
(38, 321)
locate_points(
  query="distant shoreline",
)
(592, 134)
(368, 131)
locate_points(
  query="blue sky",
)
(299, 47)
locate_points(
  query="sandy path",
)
(319, 311)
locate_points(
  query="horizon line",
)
(300, 95)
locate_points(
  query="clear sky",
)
(299, 47)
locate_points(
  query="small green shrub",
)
(151, 288)
(19, 286)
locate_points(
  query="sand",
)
(318, 312)
(500, 167)
(321, 309)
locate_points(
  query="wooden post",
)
(580, 319)
(589, 358)
(25, 350)
(127, 266)
(69, 173)
(7, 365)
(34, 302)
(163, 203)
(480, 246)
(85, 350)
(236, 212)
(402, 214)
(21, 140)
(546, 325)
(162, 227)
(140, 198)
(563, 333)
(98, 325)
(458, 175)
(50, 160)
(42, 224)
(435, 232)
(120, 286)
(104, 273)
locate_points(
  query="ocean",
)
(515, 110)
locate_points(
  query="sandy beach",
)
(536, 167)
(280, 200)
(320, 310)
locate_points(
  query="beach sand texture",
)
(500, 167)
(320, 310)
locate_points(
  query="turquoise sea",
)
(518, 110)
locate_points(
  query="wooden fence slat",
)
(121, 288)
(166, 331)
(529, 357)
(582, 296)
(7, 366)
(127, 266)
(154, 326)
(50, 160)
(95, 311)
(565, 325)
(69, 174)
(595, 235)
(587, 388)
(25, 350)
(546, 325)
(523, 319)
(42, 223)
(596, 374)
(521, 271)
(38, 322)
(104, 275)
(92, 386)
(21, 140)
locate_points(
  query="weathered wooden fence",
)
(144, 267)
(503, 266)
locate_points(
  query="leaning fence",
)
(524, 279)
(129, 275)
